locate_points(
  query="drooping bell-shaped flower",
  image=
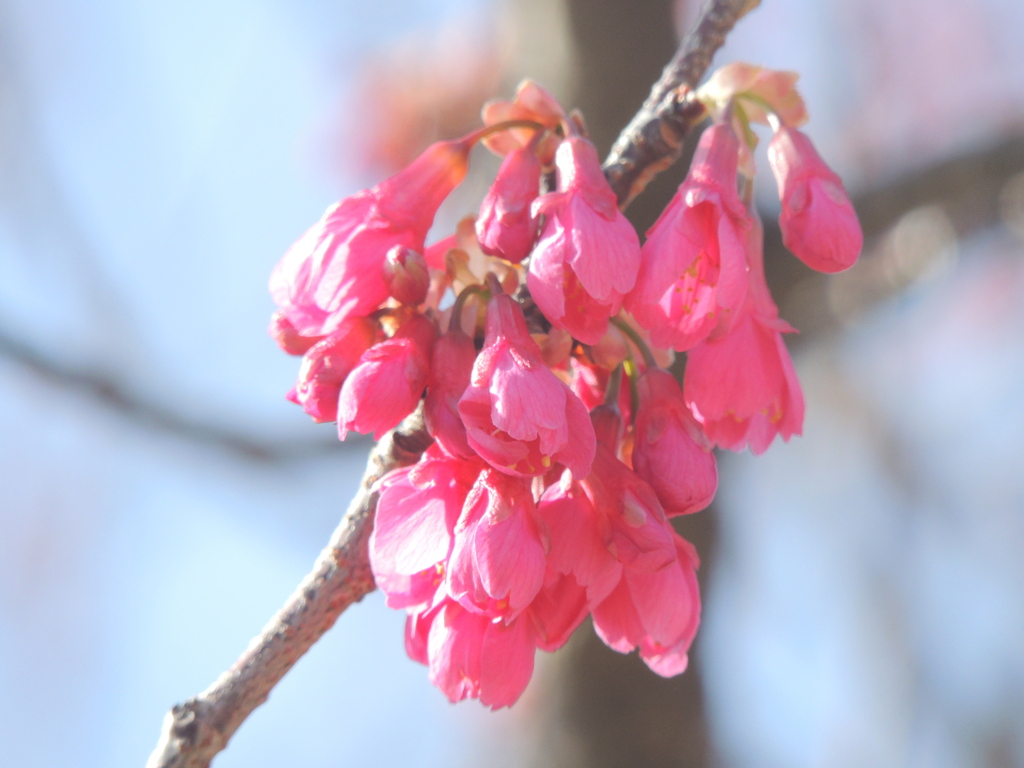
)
(417, 510)
(817, 219)
(335, 270)
(497, 562)
(655, 604)
(519, 416)
(326, 365)
(657, 611)
(670, 451)
(388, 382)
(471, 656)
(693, 269)
(451, 368)
(506, 226)
(741, 385)
(588, 254)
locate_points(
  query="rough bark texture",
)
(654, 137)
(196, 730)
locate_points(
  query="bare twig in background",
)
(195, 731)
(199, 728)
(654, 137)
(107, 391)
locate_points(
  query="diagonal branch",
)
(654, 137)
(196, 730)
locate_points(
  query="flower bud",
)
(406, 275)
(817, 219)
(505, 226)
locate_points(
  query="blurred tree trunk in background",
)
(601, 709)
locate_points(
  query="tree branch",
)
(654, 137)
(196, 730)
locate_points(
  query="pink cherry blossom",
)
(335, 270)
(742, 386)
(817, 220)
(519, 416)
(388, 382)
(417, 510)
(693, 269)
(326, 365)
(670, 451)
(451, 367)
(288, 339)
(588, 254)
(471, 656)
(497, 561)
(505, 226)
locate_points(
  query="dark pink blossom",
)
(519, 416)
(335, 270)
(693, 270)
(817, 220)
(471, 656)
(388, 382)
(497, 561)
(670, 451)
(417, 510)
(326, 365)
(505, 226)
(451, 367)
(288, 339)
(742, 386)
(588, 254)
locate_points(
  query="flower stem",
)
(633, 336)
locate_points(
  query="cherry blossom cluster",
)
(538, 338)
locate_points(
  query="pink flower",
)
(588, 254)
(579, 539)
(742, 386)
(335, 270)
(519, 417)
(326, 365)
(505, 227)
(388, 382)
(669, 449)
(471, 656)
(497, 562)
(817, 220)
(288, 339)
(416, 514)
(657, 611)
(692, 269)
(616, 541)
(451, 367)
(557, 610)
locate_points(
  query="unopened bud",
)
(406, 275)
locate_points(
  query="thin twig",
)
(195, 731)
(654, 137)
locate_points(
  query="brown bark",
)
(196, 730)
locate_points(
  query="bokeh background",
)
(159, 499)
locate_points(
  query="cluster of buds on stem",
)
(562, 445)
